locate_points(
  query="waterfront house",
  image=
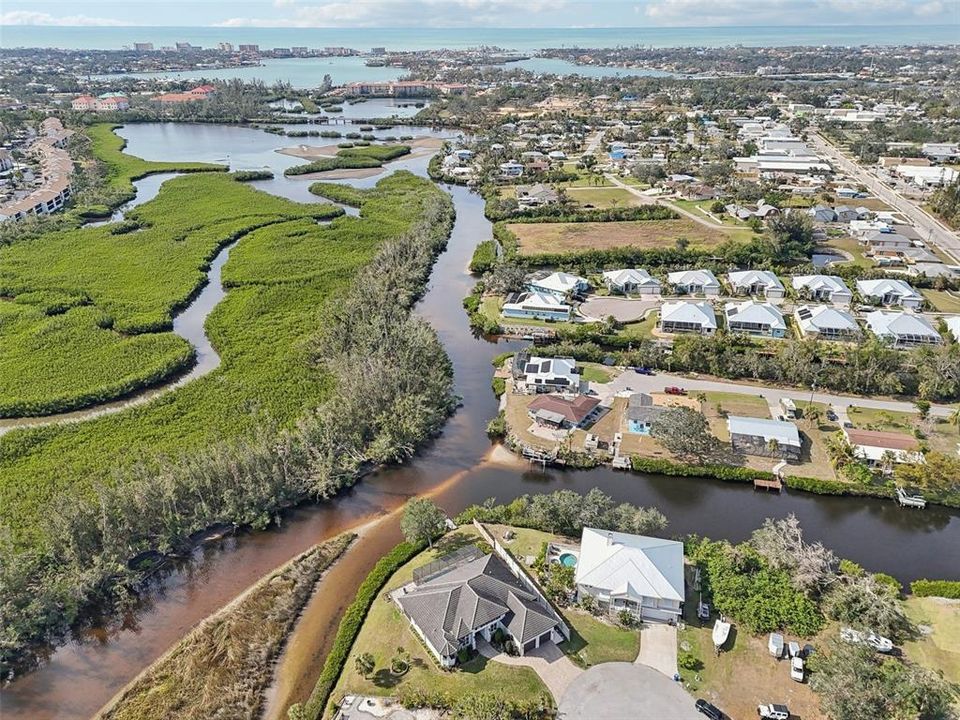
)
(559, 284)
(532, 374)
(537, 306)
(826, 323)
(902, 330)
(694, 282)
(876, 448)
(562, 413)
(511, 169)
(688, 317)
(767, 438)
(459, 603)
(642, 413)
(536, 195)
(890, 292)
(756, 282)
(824, 288)
(631, 282)
(754, 318)
(636, 573)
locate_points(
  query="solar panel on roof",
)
(545, 367)
(804, 313)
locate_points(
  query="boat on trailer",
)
(721, 631)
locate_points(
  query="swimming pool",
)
(568, 559)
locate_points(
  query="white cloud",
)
(705, 13)
(404, 13)
(29, 17)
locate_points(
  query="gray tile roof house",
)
(450, 610)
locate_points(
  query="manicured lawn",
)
(939, 649)
(586, 180)
(606, 197)
(852, 248)
(492, 305)
(386, 629)
(593, 641)
(534, 238)
(943, 301)
(594, 372)
(642, 330)
(738, 404)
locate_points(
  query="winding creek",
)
(457, 469)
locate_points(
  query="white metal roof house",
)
(631, 281)
(953, 325)
(902, 330)
(533, 374)
(688, 317)
(756, 282)
(536, 305)
(640, 574)
(559, 284)
(694, 282)
(826, 323)
(887, 291)
(760, 436)
(827, 288)
(754, 318)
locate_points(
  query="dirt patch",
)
(537, 238)
(341, 174)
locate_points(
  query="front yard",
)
(939, 434)
(938, 646)
(386, 629)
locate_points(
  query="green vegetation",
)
(936, 588)
(240, 642)
(484, 257)
(309, 390)
(596, 373)
(593, 641)
(250, 175)
(938, 646)
(352, 157)
(54, 362)
(350, 626)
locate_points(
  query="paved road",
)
(626, 691)
(928, 226)
(651, 200)
(656, 383)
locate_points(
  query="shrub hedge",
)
(484, 256)
(936, 588)
(350, 626)
(248, 175)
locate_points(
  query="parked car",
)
(831, 415)
(774, 711)
(796, 668)
(674, 390)
(775, 645)
(643, 371)
(711, 711)
(793, 648)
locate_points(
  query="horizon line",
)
(481, 27)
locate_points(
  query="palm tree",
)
(840, 450)
(954, 418)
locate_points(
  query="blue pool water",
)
(568, 559)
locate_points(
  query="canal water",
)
(455, 470)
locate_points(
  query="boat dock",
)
(775, 484)
(904, 499)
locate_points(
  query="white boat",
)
(775, 645)
(721, 631)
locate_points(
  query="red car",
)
(674, 390)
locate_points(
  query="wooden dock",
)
(775, 484)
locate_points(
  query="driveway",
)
(626, 691)
(548, 661)
(623, 309)
(658, 648)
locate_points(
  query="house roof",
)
(897, 324)
(693, 277)
(632, 276)
(832, 283)
(700, 313)
(823, 317)
(745, 278)
(548, 368)
(754, 312)
(640, 408)
(536, 299)
(632, 566)
(469, 596)
(574, 411)
(559, 282)
(883, 286)
(782, 431)
(882, 439)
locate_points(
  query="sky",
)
(476, 13)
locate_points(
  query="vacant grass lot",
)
(942, 300)
(603, 198)
(386, 629)
(938, 648)
(261, 330)
(537, 238)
